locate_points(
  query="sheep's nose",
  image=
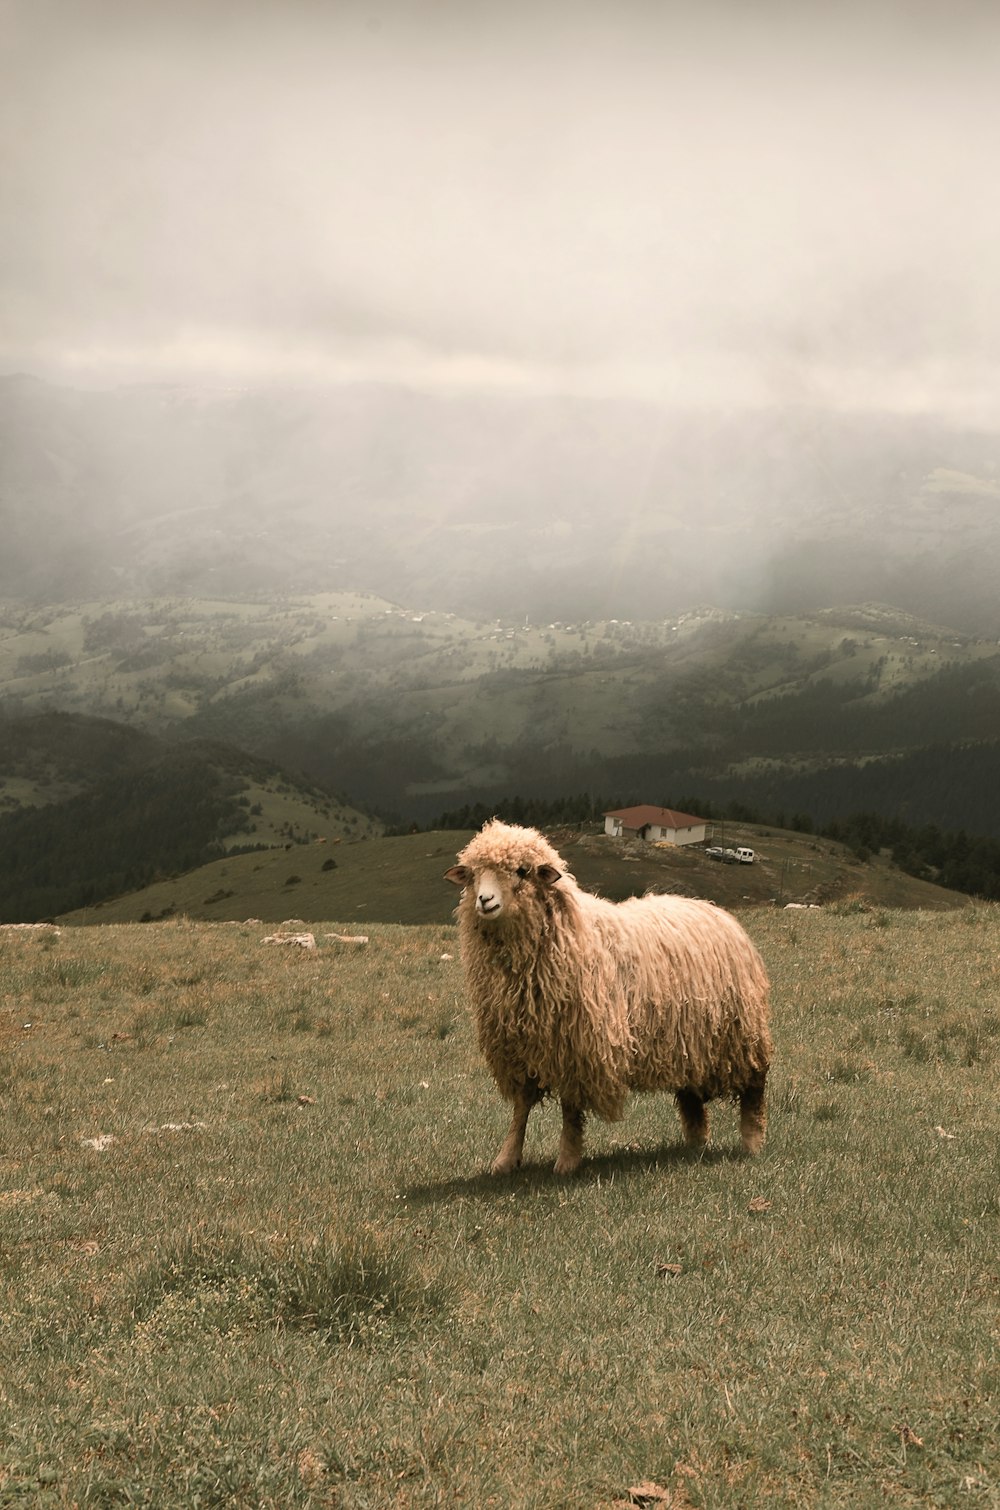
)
(488, 901)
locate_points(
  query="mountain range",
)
(410, 713)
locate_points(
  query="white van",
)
(745, 856)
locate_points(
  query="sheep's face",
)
(502, 871)
(496, 891)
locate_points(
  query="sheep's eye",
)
(522, 871)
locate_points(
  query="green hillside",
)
(47, 757)
(414, 712)
(95, 809)
(399, 880)
(396, 880)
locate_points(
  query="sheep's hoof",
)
(567, 1163)
(502, 1165)
(753, 1143)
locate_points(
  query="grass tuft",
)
(191, 1017)
(229, 1282)
(280, 1088)
(848, 1072)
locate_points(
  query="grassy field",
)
(250, 1256)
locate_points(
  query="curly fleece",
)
(595, 999)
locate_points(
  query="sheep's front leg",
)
(571, 1142)
(525, 1097)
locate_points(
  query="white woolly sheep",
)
(588, 1000)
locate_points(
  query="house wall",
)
(655, 832)
(694, 835)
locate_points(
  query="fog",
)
(560, 310)
(712, 204)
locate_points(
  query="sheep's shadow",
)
(538, 1175)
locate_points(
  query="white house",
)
(655, 824)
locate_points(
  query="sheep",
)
(588, 1000)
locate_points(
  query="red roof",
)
(639, 817)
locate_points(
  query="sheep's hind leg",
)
(694, 1118)
(753, 1114)
(525, 1097)
(571, 1142)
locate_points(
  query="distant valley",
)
(409, 713)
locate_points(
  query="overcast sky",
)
(742, 203)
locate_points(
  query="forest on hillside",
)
(139, 827)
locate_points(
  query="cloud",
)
(716, 201)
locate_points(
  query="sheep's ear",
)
(458, 875)
(548, 875)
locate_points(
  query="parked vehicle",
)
(741, 856)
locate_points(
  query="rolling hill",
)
(413, 712)
(95, 809)
(399, 879)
